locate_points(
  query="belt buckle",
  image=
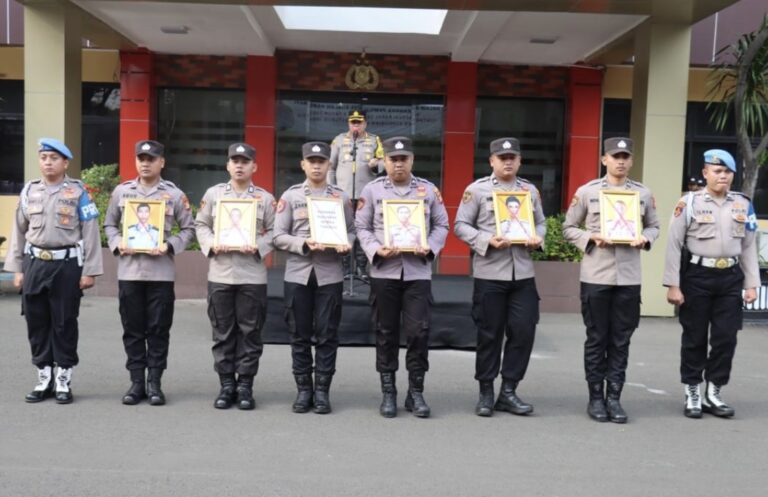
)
(721, 263)
(45, 255)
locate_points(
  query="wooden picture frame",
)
(514, 216)
(143, 224)
(235, 224)
(620, 220)
(404, 225)
(327, 224)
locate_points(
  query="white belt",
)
(715, 262)
(52, 255)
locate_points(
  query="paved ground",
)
(98, 447)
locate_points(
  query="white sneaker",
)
(714, 404)
(692, 401)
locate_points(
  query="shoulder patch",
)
(281, 205)
(574, 200)
(360, 203)
(467, 197)
(679, 208)
(437, 194)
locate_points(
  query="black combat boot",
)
(713, 403)
(245, 392)
(615, 412)
(322, 400)
(388, 407)
(414, 400)
(154, 390)
(509, 401)
(227, 393)
(45, 385)
(138, 389)
(303, 402)
(63, 382)
(485, 403)
(596, 406)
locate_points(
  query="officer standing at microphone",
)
(55, 253)
(716, 229)
(357, 157)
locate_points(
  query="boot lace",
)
(714, 395)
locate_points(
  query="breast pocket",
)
(703, 229)
(738, 226)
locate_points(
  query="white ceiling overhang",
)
(537, 38)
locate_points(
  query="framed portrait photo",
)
(620, 216)
(514, 216)
(143, 224)
(404, 225)
(327, 224)
(235, 224)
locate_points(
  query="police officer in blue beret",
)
(55, 254)
(711, 269)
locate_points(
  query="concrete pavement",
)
(98, 447)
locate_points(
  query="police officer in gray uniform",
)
(357, 157)
(505, 300)
(313, 280)
(145, 280)
(715, 228)
(55, 253)
(237, 281)
(610, 280)
(401, 281)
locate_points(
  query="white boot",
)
(63, 380)
(713, 404)
(44, 387)
(692, 401)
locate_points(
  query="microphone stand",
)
(352, 259)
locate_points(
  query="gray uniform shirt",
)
(718, 228)
(368, 146)
(236, 268)
(476, 225)
(616, 264)
(54, 217)
(145, 267)
(369, 223)
(292, 230)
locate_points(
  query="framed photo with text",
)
(620, 216)
(235, 224)
(143, 224)
(514, 216)
(404, 224)
(327, 224)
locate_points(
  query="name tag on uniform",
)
(705, 218)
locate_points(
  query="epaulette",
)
(524, 180)
(595, 182)
(296, 186)
(336, 187)
(743, 195)
(484, 179)
(129, 181)
(35, 181)
(422, 180)
(380, 179)
(220, 185)
(169, 183)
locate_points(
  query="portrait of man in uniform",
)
(143, 224)
(620, 219)
(235, 223)
(404, 224)
(514, 215)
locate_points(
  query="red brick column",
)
(458, 156)
(260, 117)
(585, 106)
(137, 106)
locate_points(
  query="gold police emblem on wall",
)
(362, 75)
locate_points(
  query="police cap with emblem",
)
(54, 145)
(398, 145)
(618, 145)
(242, 150)
(717, 157)
(316, 149)
(356, 115)
(504, 146)
(150, 147)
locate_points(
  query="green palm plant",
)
(738, 86)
